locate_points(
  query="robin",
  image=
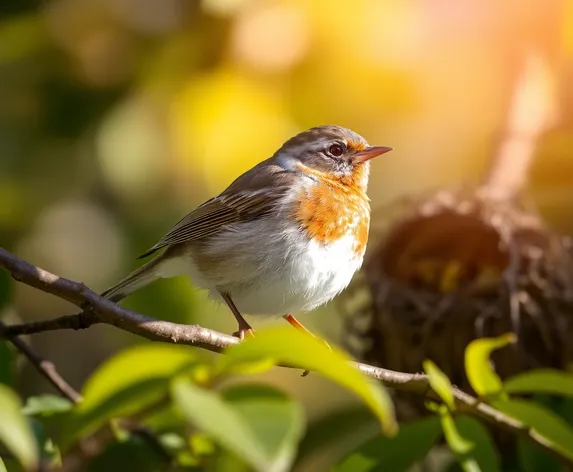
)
(286, 236)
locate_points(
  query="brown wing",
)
(250, 196)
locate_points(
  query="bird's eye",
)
(336, 150)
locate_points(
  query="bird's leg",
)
(298, 325)
(244, 327)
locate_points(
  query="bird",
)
(286, 236)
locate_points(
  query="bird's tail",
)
(139, 278)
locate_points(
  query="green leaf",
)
(549, 381)
(201, 445)
(46, 405)
(289, 346)
(469, 464)
(50, 452)
(2, 466)
(533, 459)
(564, 408)
(484, 452)
(226, 461)
(395, 454)
(133, 454)
(340, 429)
(440, 383)
(456, 442)
(127, 383)
(277, 420)
(530, 456)
(554, 429)
(262, 431)
(483, 379)
(248, 367)
(15, 431)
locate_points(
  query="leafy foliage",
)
(46, 405)
(312, 354)
(398, 453)
(346, 426)
(166, 408)
(483, 453)
(455, 440)
(541, 381)
(260, 425)
(127, 383)
(15, 430)
(480, 372)
(542, 421)
(440, 383)
(250, 424)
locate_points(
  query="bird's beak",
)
(369, 153)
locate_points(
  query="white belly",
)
(273, 270)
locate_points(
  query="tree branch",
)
(45, 367)
(99, 310)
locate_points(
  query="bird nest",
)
(454, 267)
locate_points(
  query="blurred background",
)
(117, 117)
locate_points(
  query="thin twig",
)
(45, 367)
(103, 311)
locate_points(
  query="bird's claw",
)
(243, 333)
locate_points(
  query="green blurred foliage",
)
(397, 454)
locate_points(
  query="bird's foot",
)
(244, 333)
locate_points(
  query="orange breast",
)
(331, 209)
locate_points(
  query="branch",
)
(99, 310)
(45, 367)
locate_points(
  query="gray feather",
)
(139, 278)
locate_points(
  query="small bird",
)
(286, 236)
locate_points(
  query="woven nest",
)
(454, 267)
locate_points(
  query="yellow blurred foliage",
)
(341, 82)
(567, 28)
(19, 37)
(222, 124)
